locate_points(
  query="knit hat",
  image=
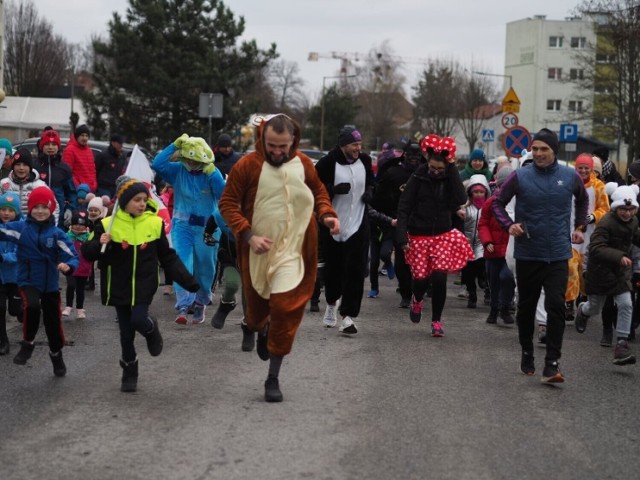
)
(49, 136)
(349, 135)
(10, 200)
(602, 153)
(6, 144)
(42, 196)
(82, 190)
(585, 159)
(127, 188)
(550, 138)
(625, 196)
(80, 217)
(98, 202)
(634, 169)
(80, 130)
(597, 165)
(22, 156)
(503, 174)
(477, 154)
(224, 141)
(116, 137)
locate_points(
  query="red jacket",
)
(80, 159)
(490, 231)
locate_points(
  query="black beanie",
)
(349, 135)
(602, 153)
(550, 138)
(224, 140)
(80, 130)
(22, 155)
(127, 188)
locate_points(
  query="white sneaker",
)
(348, 326)
(81, 314)
(463, 292)
(66, 311)
(330, 320)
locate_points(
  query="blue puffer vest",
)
(545, 200)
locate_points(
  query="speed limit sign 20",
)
(509, 120)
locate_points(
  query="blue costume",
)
(196, 195)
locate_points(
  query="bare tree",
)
(477, 97)
(286, 83)
(36, 60)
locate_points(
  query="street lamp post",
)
(322, 107)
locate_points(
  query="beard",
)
(276, 161)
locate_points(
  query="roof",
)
(36, 112)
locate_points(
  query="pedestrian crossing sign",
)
(488, 135)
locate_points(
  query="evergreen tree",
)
(156, 61)
(339, 110)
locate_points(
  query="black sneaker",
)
(552, 374)
(493, 317)
(607, 338)
(581, 319)
(129, 376)
(569, 312)
(314, 306)
(506, 316)
(272, 391)
(261, 344)
(405, 303)
(59, 368)
(24, 354)
(527, 364)
(622, 353)
(154, 339)
(218, 319)
(248, 338)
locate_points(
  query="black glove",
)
(209, 229)
(341, 188)
(367, 196)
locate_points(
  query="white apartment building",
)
(542, 59)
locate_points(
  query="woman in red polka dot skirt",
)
(425, 232)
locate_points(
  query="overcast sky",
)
(470, 31)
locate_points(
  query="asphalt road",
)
(390, 403)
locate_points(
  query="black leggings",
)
(131, 320)
(76, 285)
(438, 280)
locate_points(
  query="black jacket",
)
(326, 168)
(109, 166)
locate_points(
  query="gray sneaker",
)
(622, 353)
(581, 319)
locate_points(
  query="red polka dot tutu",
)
(447, 252)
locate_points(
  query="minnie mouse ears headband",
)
(432, 144)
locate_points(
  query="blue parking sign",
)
(569, 132)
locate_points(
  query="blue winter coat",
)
(40, 248)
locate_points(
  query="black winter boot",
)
(129, 376)
(221, 314)
(473, 300)
(24, 354)
(272, 391)
(59, 368)
(248, 338)
(154, 339)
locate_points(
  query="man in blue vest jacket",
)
(545, 191)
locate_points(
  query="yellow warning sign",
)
(511, 102)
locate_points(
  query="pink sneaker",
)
(415, 313)
(81, 314)
(66, 311)
(436, 329)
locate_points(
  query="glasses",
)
(436, 169)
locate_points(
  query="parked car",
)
(313, 154)
(97, 146)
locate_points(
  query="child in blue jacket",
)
(43, 251)
(9, 211)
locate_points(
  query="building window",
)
(575, 106)
(576, 74)
(578, 42)
(604, 58)
(553, 105)
(555, 42)
(554, 73)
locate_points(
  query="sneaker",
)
(506, 316)
(154, 339)
(552, 374)
(542, 334)
(224, 309)
(198, 314)
(527, 364)
(181, 319)
(581, 319)
(167, 290)
(382, 272)
(462, 293)
(66, 311)
(248, 338)
(59, 368)
(272, 391)
(347, 326)
(24, 354)
(405, 303)
(569, 312)
(493, 317)
(330, 320)
(607, 338)
(261, 344)
(436, 329)
(372, 294)
(81, 314)
(391, 271)
(622, 353)
(415, 314)
(314, 306)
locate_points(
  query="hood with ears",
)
(261, 123)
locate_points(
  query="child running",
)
(9, 211)
(129, 266)
(43, 251)
(78, 233)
